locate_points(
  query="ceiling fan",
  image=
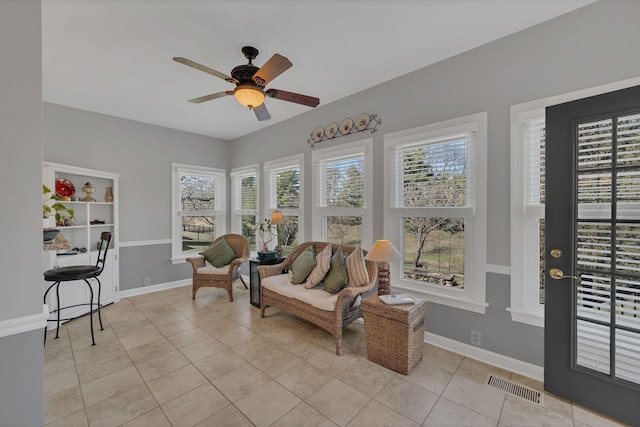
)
(250, 82)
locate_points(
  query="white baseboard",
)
(161, 287)
(153, 288)
(498, 360)
(24, 324)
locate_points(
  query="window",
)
(436, 210)
(284, 184)
(527, 201)
(244, 202)
(527, 216)
(341, 194)
(198, 208)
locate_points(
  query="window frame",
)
(473, 296)
(219, 212)
(236, 175)
(270, 203)
(525, 304)
(318, 229)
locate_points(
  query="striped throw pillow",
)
(357, 268)
(323, 260)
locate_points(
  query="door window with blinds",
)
(244, 202)
(341, 191)
(437, 206)
(608, 246)
(199, 203)
(284, 191)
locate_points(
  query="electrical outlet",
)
(476, 338)
(147, 281)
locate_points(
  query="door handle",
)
(557, 274)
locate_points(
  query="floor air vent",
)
(517, 390)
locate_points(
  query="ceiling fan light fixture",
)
(249, 95)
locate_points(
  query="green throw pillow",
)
(219, 254)
(337, 277)
(303, 266)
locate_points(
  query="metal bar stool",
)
(78, 272)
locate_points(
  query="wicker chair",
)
(240, 246)
(331, 321)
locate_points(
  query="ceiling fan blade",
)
(261, 112)
(210, 97)
(271, 69)
(201, 67)
(283, 95)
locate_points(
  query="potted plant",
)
(51, 207)
(266, 236)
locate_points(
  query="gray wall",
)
(21, 356)
(579, 50)
(142, 154)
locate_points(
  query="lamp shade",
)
(249, 95)
(276, 217)
(383, 251)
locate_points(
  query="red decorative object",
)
(64, 188)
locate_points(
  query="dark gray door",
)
(592, 253)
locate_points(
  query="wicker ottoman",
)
(394, 333)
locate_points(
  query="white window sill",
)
(533, 318)
(456, 301)
(183, 259)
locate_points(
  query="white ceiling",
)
(114, 56)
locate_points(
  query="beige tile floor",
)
(165, 360)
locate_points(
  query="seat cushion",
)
(316, 297)
(280, 284)
(72, 272)
(210, 269)
(219, 254)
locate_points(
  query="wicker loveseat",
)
(347, 306)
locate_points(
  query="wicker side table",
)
(394, 333)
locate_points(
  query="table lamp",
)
(276, 218)
(383, 251)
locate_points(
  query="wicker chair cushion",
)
(337, 276)
(303, 265)
(316, 297)
(323, 263)
(357, 268)
(210, 269)
(219, 254)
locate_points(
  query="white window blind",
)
(434, 173)
(197, 194)
(244, 190)
(284, 187)
(533, 139)
(341, 182)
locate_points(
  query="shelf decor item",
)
(108, 197)
(53, 209)
(383, 251)
(89, 190)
